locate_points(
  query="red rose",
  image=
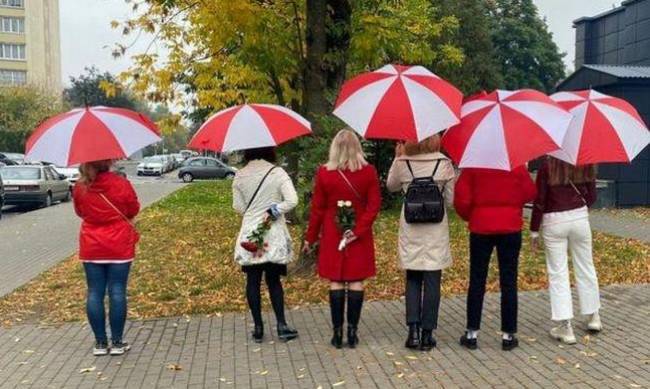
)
(249, 246)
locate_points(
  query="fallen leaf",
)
(174, 367)
(398, 363)
(560, 361)
(586, 339)
(338, 384)
(400, 375)
(577, 365)
(222, 379)
(389, 353)
(411, 357)
(532, 340)
(87, 369)
(301, 376)
(265, 372)
(28, 351)
(635, 385)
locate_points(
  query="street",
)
(33, 240)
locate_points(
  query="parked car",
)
(204, 168)
(2, 196)
(179, 159)
(6, 160)
(152, 166)
(34, 185)
(70, 173)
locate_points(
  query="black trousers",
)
(480, 248)
(272, 275)
(423, 298)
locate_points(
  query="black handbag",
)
(424, 201)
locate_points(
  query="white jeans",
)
(563, 232)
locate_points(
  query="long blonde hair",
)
(88, 171)
(346, 152)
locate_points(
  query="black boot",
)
(471, 344)
(337, 309)
(258, 334)
(353, 339)
(428, 341)
(509, 344)
(355, 303)
(413, 341)
(337, 337)
(286, 333)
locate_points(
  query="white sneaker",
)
(100, 349)
(119, 348)
(563, 333)
(594, 323)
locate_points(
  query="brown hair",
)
(427, 145)
(563, 173)
(88, 171)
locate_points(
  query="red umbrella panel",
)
(249, 126)
(605, 129)
(506, 129)
(91, 134)
(399, 102)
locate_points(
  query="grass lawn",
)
(185, 265)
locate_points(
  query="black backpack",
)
(423, 202)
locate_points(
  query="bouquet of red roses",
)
(255, 240)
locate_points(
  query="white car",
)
(152, 166)
(71, 173)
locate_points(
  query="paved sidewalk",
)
(34, 241)
(621, 224)
(214, 352)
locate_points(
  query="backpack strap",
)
(258, 188)
(435, 170)
(408, 164)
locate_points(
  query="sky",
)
(87, 37)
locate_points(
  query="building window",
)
(13, 3)
(12, 51)
(12, 25)
(13, 77)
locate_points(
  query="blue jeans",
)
(99, 277)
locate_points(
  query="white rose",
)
(348, 203)
(340, 203)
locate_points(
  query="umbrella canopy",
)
(399, 102)
(249, 126)
(605, 129)
(506, 129)
(90, 134)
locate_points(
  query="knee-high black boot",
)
(355, 303)
(337, 308)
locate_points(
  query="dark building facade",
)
(613, 57)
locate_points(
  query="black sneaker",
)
(471, 344)
(428, 342)
(119, 348)
(100, 349)
(286, 333)
(258, 334)
(509, 344)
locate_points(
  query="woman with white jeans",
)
(561, 209)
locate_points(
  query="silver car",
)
(34, 185)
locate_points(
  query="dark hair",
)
(265, 153)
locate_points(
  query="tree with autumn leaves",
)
(297, 53)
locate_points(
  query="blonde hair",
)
(88, 171)
(346, 152)
(425, 146)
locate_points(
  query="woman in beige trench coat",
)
(423, 248)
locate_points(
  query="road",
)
(32, 242)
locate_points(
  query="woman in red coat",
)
(492, 201)
(345, 257)
(106, 203)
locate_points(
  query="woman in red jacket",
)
(106, 203)
(492, 201)
(346, 258)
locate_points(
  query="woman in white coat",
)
(263, 193)
(423, 247)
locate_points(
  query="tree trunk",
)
(315, 75)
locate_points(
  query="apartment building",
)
(29, 43)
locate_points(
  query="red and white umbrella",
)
(249, 126)
(399, 102)
(506, 129)
(91, 134)
(605, 129)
